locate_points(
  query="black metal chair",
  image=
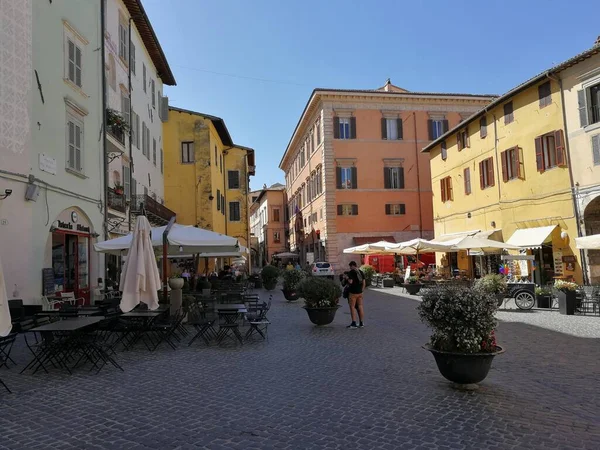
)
(590, 300)
(202, 319)
(165, 331)
(229, 326)
(6, 344)
(258, 321)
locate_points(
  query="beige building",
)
(353, 168)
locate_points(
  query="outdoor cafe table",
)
(239, 307)
(81, 312)
(141, 318)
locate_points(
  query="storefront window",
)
(70, 263)
(82, 259)
(58, 260)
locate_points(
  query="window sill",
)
(187, 163)
(76, 173)
(592, 127)
(76, 88)
(124, 62)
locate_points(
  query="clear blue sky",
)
(441, 46)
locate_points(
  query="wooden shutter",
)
(482, 127)
(401, 177)
(481, 176)
(582, 103)
(399, 124)
(383, 128)
(459, 140)
(352, 127)
(444, 151)
(354, 178)
(355, 210)
(388, 209)
(508, 112)
(449, 191)
(336, 127)
(218, 200)
(490, 168)
(386, 178)
(340, 210)
(338, 177)
(443, 189)
(467, 138)
(467, 180)
(596, 149)
(445, 126)
(402, 208)
(539, 154)
(559, 145)
(430, 129)
(504, 158)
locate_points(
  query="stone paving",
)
(316, 388)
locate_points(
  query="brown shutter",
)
(401, 177)
(490, 167)
(400, 134)
(582, 104)
(559, 142)
(444, 151)
(352, 127)
(450, 193)
(340, 210)
(354, 178)
(445, 127)
(338, 177)
(336, 127)
(539, 155)
(386, 178)
(443, 189)
(481, 176)
(459, 141)
(504, 158)
(483, 127)
(383, 128)
(402, 208)
(430, 129)
(388, 208)
(355, 210)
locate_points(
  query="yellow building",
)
(206, 174)
(504, 173)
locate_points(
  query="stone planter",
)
(322, 316)
(412, 289)
(388, 282)
(176, 283)
(543, 301)
(290, 295)
(464, 369)
(567, 301)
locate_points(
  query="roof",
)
(269, 189)
(150, 40)
(514, 91)
(217, 122)
(372, 239)
(394, 91)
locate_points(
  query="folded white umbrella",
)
(591, 242)
(140, 280)
(5, 320)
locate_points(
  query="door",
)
(77, 277)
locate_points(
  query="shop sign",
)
(558, 264)
(47, 164)
(69, 220)
(73, 227)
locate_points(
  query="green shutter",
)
(388, 209)
(582, 102)
(401, 177)
(383, 128)
(402, 208)
(340, 210)
(355, 210)
(445, 126)
(386, 178)
(354, 178)
(336, 127)
(338, 177)
(430, 129)
(400, 134)
(352, 127)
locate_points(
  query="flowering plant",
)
(319, 292)
(565, 286)
(116, 121)
(463, 319)
(492, 284)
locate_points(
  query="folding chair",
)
(259, 323)
(165, 332)
(5, 386)
(228, 326)
(202, 319)
(6, 344)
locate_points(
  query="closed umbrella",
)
(5, 321)
(140, 280)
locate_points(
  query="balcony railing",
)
(117, 133)
(156, 213)
(116, 201)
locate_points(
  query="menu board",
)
(558, 264)
(48, 281)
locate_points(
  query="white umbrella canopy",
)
(591, 242)
(368, 249)
(483, 245)
(5, 320)
(182, 239)
(140, 280)
(414, 247)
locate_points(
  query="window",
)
(589, 105)
(153, 93)
(218, 200)
(482, 127)
(216, 157)
(596, 149)
(127, 181)
(145, 140)
(234, 211)
(132, 58)
(346, 178)
(74, 143)
(444, 151)
(319, 181)
(222, 204)
(73, 62)
(344, 127)
(277, 236)
(125, 108)
(486, 173)
(446, 189)
(187, 152)
(302, 156)
(550, 151)
(436, 128)
(135, 129)
(467, 177)
(462, 139)
(545, 94)
(393, 177)
(161, 161)
(509, 116)
(511, 164)
(144, 77)
(221, 162)
(276, 215)
(395, 209)
(347, 210)
(112, 72)
(123, 39)
(391, 129)
(233, 177)
(318, 131)
(154, 152)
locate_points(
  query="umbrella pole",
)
(165, 244)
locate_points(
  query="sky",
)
(255, 63)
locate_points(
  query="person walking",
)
(356, 280)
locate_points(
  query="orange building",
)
(354, 170)
(267, 223)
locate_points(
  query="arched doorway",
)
(591, 220)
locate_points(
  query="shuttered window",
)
(550, 151)
(127, 181)
(344, 127)
(512, 164)
(391, 129)
(482, 127)
(462, 139)
(347, 210)
(74, 63)
(436, 127)
(187, 152)
(346, 178)
(154, 152)
(234, 211)
(446, 189)
(233, 178)
(393, 177)
(486, 173)
(467, 177)
(596, 149)
(75, 144)
(395, 209)
(545, 94)
(218, 200)
(509, 116)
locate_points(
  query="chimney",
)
(597, 41)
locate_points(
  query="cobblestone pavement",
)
(316, 388)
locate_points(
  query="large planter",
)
(290, 295)
(176, 283)
(412, 289)
(543, 301)
(388, 282)
(464, 369)
(566, 302)
(269, 285)
(322, 316)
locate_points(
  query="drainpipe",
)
(247, 206)
(497, 157)
(130, 118)
(418, 176)
(104, 155)
(584, 267)
(225, 210)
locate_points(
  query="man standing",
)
(356, 279)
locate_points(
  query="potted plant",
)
(205, 286)
(269, 275)
(176, 281)
(543, 296)
(463, 342)
(116, 121)
(291, 280)
(567, 296)
(413, 286)
(493, 284)
(368, 271)
(321, 298)
(119, 190)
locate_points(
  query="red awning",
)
(372, 239)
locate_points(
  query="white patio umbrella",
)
(483, 245)
(368, 249)
(5, 320)
(140, 280)
(413, 247)
(591, 242)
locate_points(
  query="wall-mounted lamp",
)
(563, 235)
(7, 193)
(493, 224)
(468, 215)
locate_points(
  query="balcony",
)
(117, 133)
(116, 201)
(156, 213)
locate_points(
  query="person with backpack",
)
(356, 280)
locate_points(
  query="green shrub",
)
(291, 279)
(319, 292)
(269, 275)
(413, 280)
(542, 290)
(492, 284)
(368, 272)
